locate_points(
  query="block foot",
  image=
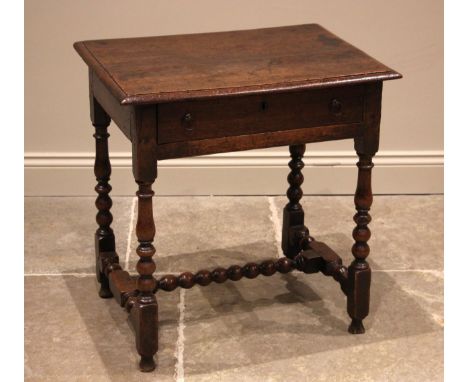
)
(356, 327)
(104, 289)
(105, 292)
(147, 364)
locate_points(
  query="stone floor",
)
(282, 328)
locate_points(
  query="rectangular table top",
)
(169, 68)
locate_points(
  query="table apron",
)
(257, 141)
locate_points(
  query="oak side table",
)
(187, 95)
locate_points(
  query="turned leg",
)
(145, 309)
(104, 236)
(359, 273)
(293, 214)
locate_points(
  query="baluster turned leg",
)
(359, 272)
(293, 214)
(104, 236)
(145, 310)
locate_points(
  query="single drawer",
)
(241, 115)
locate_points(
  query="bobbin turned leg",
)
(293, 214)
(144, 310)
(104, 236)
(359, 272)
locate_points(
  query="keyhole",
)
(264, 105)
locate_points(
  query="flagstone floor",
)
(282, 328)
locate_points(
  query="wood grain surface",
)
(168, 68)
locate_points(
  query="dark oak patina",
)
(186, 95)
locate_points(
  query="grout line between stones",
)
(75, 274)
(435, 272)
(274, 217)
(129, 236)
(179, 374)
(87, 274)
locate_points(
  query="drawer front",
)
(231, 116)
